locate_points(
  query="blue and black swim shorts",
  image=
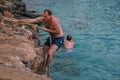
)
(56, 41)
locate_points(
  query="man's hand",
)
(15, 21)
(44, 29)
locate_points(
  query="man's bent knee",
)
(50, 53)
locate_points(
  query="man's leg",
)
(45, 54)
(51, 51)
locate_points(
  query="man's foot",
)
(41, 72)
(44, 68)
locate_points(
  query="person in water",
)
(53, 27)
(68, 44)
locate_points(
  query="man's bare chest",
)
(48, 25)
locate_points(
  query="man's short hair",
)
(69, 37)
(49, 11)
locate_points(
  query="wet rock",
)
(20, 6)
(31, 14)
(1, 1)
(80, 25)
(1, 15)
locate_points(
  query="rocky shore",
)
(19, 43)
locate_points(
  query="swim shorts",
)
(56, 41)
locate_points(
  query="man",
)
(53, 27)
(68, 43)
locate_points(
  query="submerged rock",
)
(80, 25)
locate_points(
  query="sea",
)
(95, 28)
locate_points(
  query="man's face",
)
(45, 14)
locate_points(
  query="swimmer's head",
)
(69, 37)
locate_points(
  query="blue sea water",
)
(95, 27)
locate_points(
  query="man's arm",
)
(38, 19)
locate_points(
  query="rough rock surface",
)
(18, 45)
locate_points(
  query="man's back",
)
(68, 44)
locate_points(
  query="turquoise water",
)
(95, 27)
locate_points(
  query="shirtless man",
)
(53, 27)
(68, 43)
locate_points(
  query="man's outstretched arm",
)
(29, 20)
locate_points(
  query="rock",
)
(80, 25)
(11, 73)
(31, 14)
(1, 1)
(1, 15)
(20, 6)
(15, 48)
(12, 61)
(13, 52)
(7, 14)
(9, 4)
(3, 36)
